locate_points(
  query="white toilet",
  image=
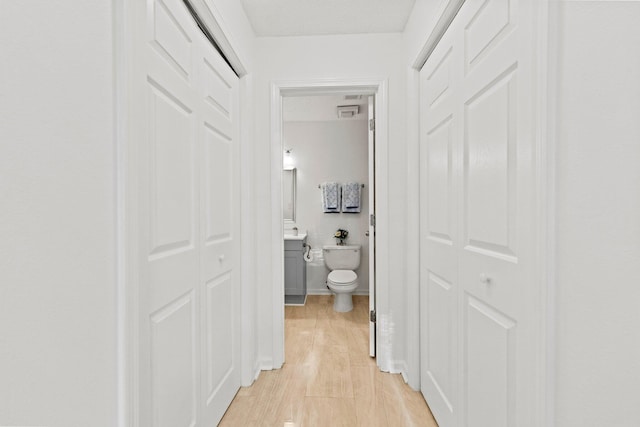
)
(342, 280)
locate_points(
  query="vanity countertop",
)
(300, 236)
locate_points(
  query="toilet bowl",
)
(343, 283)
(342, 280)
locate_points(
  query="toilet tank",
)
(342, 257)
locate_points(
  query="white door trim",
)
(546, 195)
(280, 89)
(126, 237)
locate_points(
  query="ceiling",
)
(321, 17)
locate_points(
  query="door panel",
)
(440, 351)
(168, 301)
(220, 197)
(440, 80)
(478, 239)
(171, 173)
(168, 30)
(187, 173)
(498, 221)
(218, 161)
(439, 182)
(489, 169)
(218, 91)
(173, 363)
(490, 362)
(219, 337)
(488, 26)
(438, 233)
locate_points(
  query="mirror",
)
(289, 195)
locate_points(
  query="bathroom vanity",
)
(295, 269)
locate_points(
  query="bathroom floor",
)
(328, 378)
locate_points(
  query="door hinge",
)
(372, 316)
(372, 124)
(372, 220)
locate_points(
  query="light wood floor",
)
(328, 379)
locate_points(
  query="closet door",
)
(498, 214)
(219, 232)
(485, 166)
(439, 240)
(184, 163)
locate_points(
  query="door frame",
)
(280, 89)
(545, 193)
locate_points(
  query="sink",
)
(300, 236)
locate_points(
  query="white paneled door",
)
(439, 183)
(186, 174)
(480, 316)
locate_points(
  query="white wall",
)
(330, 151)
(330, 57)
(57, 221)
(598, 214)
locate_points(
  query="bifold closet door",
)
(186, 174)
(480, 317)
(439, 240)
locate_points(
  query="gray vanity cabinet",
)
(295, 272)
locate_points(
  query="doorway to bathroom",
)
(327, 133)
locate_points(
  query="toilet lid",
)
(342, 276)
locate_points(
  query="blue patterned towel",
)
(351, 197)
(330, 197)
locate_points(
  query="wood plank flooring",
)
(328, 379)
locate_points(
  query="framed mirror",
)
(289, 195)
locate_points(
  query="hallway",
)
(329, 378)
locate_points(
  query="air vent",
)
(347, 111)
(352, 97)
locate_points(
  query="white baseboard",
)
(256, 372)
(399, 367)
(262, 365)
(265, 365)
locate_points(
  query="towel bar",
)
(320, 186)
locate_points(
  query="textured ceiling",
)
(316, 17)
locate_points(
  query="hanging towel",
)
(330, 197)
(351, 197)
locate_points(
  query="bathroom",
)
(323, 142)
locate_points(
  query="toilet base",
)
(342, 302)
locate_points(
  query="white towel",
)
(351, 197)
(330, 197)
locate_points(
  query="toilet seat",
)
(342, 277)
(342, 283)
